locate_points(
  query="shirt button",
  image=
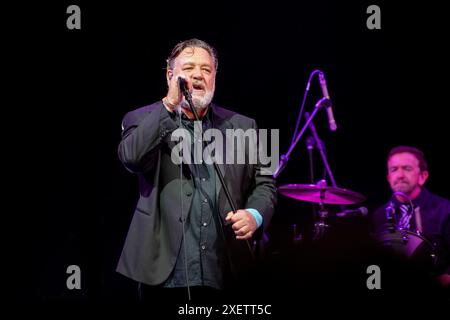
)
(203, 247)
(205, 200)
(203, 179)
(205, 224)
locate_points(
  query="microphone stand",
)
(321, 149)
(285, 158)
(390, 216)
(310, 146)
(188, 97)
(321, 225)
(390, 209)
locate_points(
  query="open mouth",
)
(198, 87)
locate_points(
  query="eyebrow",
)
(193, 64)
(398, 166)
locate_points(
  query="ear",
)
(423, 176)
(169, 75)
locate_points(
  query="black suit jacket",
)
(155, 234)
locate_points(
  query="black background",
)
(73, 200)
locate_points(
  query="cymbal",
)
(321, 194)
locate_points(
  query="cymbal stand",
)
(321, 226)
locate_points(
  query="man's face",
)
(197, 66)
(404, 174)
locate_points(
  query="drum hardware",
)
(316, 193)
(409, 244)
(323, 195)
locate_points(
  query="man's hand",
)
(174, 95)
(244, 224)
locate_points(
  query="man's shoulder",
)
(231, 115)
(134, 117)
(141, 111)
(440, 201)
(440, 198)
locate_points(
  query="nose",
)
(197, 74)
(400, 173)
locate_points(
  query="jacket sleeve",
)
(263, 195)
(143, 133)
(447, 244)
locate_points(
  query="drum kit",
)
(322, 195)
(408, 243)
(412, 245)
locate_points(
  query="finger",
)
(245, 237)
(174, 92)
(242, 231)
(238, 225)
(238, 216)
(229, 216)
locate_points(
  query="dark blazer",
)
(155, 234)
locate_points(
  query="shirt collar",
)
(206, 117)
(419, 201)
(422, 198)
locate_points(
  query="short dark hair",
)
(191, 43)
(412, 150)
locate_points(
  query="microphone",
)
(326, 95)
(361, 211)
(183, 89)
(182, 84)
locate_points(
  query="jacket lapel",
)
(221, 123)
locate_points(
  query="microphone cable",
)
(183, 223)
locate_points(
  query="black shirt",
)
(202, 252)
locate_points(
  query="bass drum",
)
(409, 245)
